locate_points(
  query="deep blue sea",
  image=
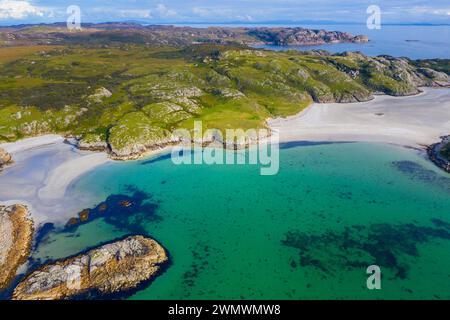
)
(415, 42)
(412, 41)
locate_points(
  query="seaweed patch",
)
(359, 246)
(418, 173)
(127, 213)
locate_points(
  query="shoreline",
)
(61, 166)
(434, 155)
(377, 120)
(60, 177)
(416, 121)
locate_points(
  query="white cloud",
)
(221, 13)
(19, 9)
(165, 12)
(136, 13)
(429, 10)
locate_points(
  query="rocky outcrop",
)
(109, 269)
(92, 142)
(302, 36)
(5, 159)
(175, 35)
(16, 236)
(439, 153)
(100, 94)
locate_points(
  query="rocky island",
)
(16, 236)
(109, 269)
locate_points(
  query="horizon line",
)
(273, 22)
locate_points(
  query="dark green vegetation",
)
(130, 97)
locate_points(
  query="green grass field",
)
(127, 94)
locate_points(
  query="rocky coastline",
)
(177, 35)
(5, 159)
(16, 237)
(106, 270)
(435, 154)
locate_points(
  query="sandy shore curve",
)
(44, 168)
(413, 121)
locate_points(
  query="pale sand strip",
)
(30, 143)
(410, 121)
(59, 179)
(43, 188)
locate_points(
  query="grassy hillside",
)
(131, 96)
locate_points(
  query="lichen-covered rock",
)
(302, 36)
(111, 268)
(439, 77)
(134, 135)
(93, 142)
(100, 94)
(5, 158)
(16, 236)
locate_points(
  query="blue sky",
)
(215, 11)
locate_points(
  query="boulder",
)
(16, 236)
(5, 158)
(109, 269)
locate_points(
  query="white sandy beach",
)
(43, 169)
(412, 121)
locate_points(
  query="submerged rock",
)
(5, 158)
(16, 236)
(111, 268)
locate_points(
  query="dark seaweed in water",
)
(42, 234)
(359, 246)
(416, 172)
(127, 213)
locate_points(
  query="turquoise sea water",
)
(308, 232)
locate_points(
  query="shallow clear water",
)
(309, 232)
